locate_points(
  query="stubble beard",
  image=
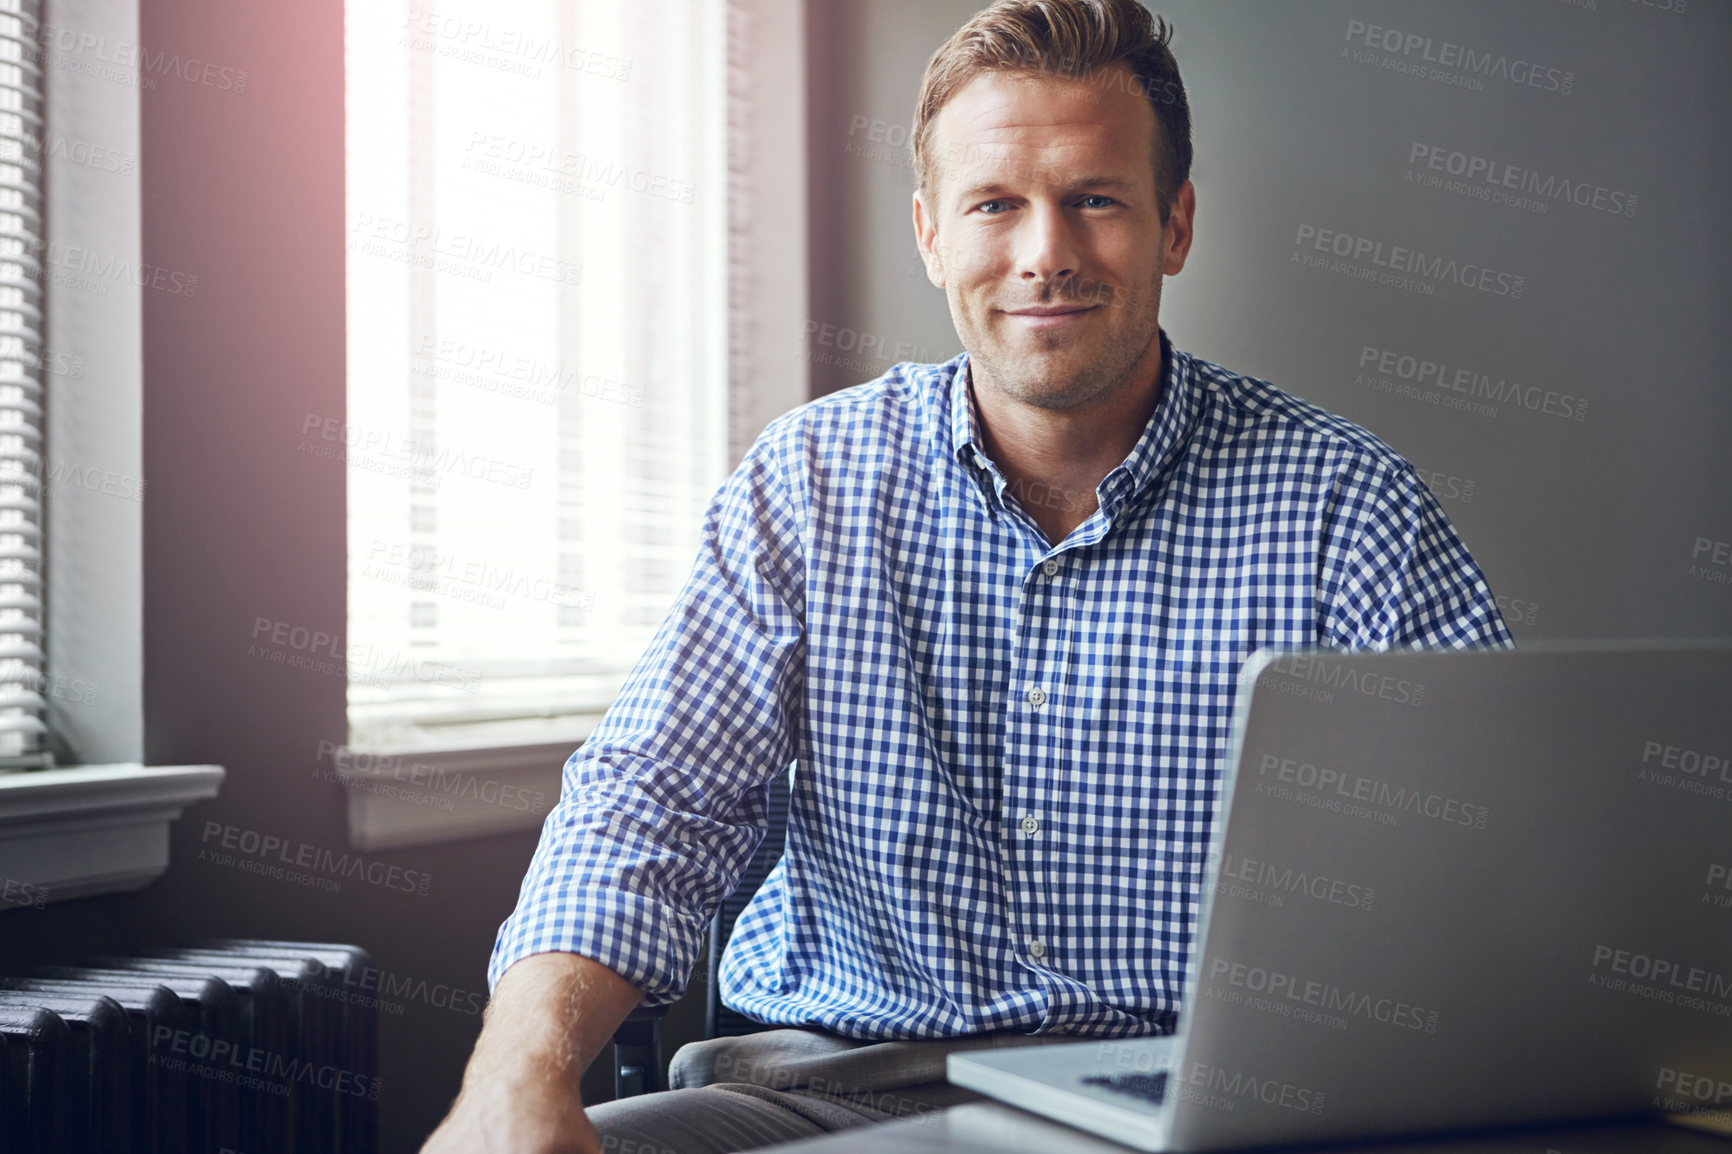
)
(1086, 373)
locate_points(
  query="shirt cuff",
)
(648, 943)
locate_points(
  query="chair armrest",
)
(637, 1053)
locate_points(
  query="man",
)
(992, 612)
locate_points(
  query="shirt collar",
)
(1166, 433)
(1164, 437)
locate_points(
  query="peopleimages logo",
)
(1287, 880)
(1420, 50)
(1698, 1090)
(514, 374)
(18, 893)
(424, 567)
(1400, 264)
(92, 270)
(268, 854)
(463, 254)
(847, 340)
(518, 50)
(1338, 675)
(1224, 1089)
(1446, 486)
(1689, 770)
(370, 979)
(129, 63)
(1711, 560)
(251, 1067)
(1689, 761)
(1497, 177)
(1662, 980)
(1470, 383)
(1335, 790)
(420, 460)
(545, 165)
(467, 786)
(1719, 878)
(1207, 1085)
(1313, 1001)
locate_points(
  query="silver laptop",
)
(1451, 890)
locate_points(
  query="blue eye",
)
(1097, 201)
(987, 207)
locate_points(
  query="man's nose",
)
(1046, 247)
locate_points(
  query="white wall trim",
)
(93, 380)
(94, 829)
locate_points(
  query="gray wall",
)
(871, 302)
(1595, 519)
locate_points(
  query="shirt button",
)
(1049, 566)
(1029, 824)
(1037, 697)
(1036, 948)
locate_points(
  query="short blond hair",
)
(1071, 38)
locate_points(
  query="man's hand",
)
(495, 1117)
(549, 1017)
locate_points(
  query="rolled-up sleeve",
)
(663, 805)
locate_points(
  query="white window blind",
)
(22, 490)
(537, 363)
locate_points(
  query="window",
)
(538, 404)
(577, 292)
(71, 489)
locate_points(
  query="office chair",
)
(637, 1044)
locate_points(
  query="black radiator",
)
(226, 1047)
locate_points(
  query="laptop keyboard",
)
(1149, 1087)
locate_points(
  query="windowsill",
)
(421, 797)
(93, 829)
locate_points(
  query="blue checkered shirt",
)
(1007, 754)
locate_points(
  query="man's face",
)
(1044, 230)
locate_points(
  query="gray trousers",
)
(744, 1093)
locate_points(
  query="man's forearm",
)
(550, 1015)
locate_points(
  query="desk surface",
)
(991, 1128)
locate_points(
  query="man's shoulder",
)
(1253, 411)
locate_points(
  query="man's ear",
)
(926, 236)
(1181, 219)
